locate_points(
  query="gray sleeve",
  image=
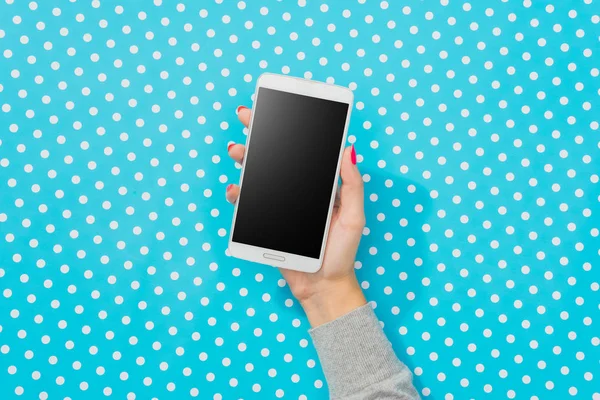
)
(358, 360)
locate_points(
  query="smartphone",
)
(290, 172)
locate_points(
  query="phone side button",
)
(273, 257)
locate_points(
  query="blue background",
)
(477, 133)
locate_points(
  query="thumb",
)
(352, 192)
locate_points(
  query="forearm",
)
(333, 300)
(357, 358)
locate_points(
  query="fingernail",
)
(353, 155)
(230, 145)
(229, 187)
(240, 108)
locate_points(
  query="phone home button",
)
(273, 257)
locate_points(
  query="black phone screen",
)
(289, 172)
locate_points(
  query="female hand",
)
(333, 290)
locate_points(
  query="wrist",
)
(333, 299)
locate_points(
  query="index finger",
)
(244, 114)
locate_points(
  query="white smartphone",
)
(290, 172)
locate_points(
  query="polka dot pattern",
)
(477, 135)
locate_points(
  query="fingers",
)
(352, 193)
(236, 151)
(244, 114)
(232, 193)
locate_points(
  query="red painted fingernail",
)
(229, 187)
(353, 155)
(230, 145)
(240, 108)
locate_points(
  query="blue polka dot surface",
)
(476, 127)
